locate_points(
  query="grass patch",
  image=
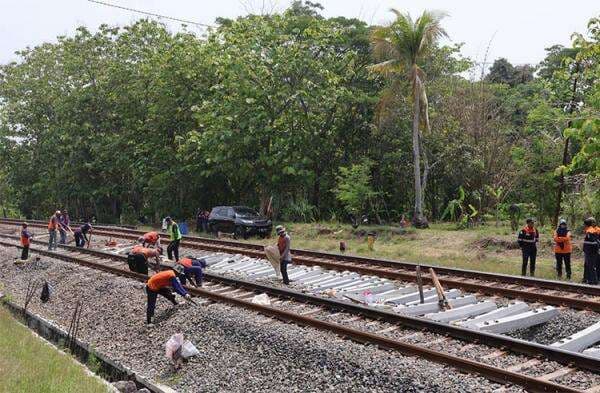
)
(486, 248)
(28, 364)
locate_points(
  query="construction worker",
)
(174, 239)
(80, 235)
(284, 246)
(528, 238)
(53, 225)
(138, 259)
(161, 284)
(192, 267)
(25, 241)
(563, 248)
(150, 239)
(591, 244)
(63, 226)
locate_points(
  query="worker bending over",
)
(528, 238)
(81, 235)
(563, 248)
(174, 239)
(591, 244)
(25, 241)
(192, 267)
(150, 239)
(161, 284)
(139, 256)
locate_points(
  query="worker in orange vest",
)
(528, 238)
(591, 246)
(139, 256)
(53, 225)
(150, 239)
(161, 284)
(192, 267)
(25, 241)
(563, 249)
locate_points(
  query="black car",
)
(240, 220)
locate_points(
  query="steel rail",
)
(470, 335)
(493, 373)
(189, 241)
(572, 301)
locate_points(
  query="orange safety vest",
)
(161, 280)
(24, 240)
(53, 223)
(147, 252)
(151, 237)
(567, 247)
(186, 262)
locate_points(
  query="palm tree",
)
(399, 47)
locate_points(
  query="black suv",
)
(240, 220)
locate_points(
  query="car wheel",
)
(240, 232)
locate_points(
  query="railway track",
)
(501, 359)
(558, 293)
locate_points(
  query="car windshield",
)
(245, 211)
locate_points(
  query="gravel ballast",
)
(240, 351)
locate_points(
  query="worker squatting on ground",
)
(141, 255)
(53, 225)
(528, 238)
(563, 249)
(591, 244)
(81, 234)
(192, 267)
(174, 239)
(64, 223)
(25, 241)
(150, 239)
(284, 246)
(161, 284)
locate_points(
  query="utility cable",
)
(150, 13)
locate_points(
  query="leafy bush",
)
(299, 210)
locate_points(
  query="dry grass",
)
(486, 248)
(28, 364)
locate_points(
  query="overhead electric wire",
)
(150, 13)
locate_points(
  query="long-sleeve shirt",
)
(284, 244)
(164, 279)
(25, 237)
(528, 237)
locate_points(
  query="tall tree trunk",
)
(418, 212)
(565, 157)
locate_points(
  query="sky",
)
(518, 30)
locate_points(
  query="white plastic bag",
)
(262, 299)
(173, 344)
(188, 350)
(273, 256)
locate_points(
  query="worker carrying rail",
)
(528, 239)
(81, 235)
(161, 284)
(138, 259)
(150, 239)
(192, 267)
